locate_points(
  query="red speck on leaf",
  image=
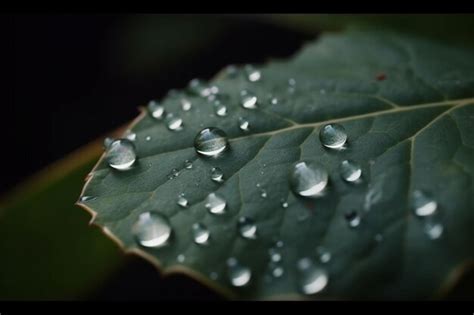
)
(381, 77)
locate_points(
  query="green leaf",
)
(408, 108)
(49, 250)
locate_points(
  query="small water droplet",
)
(312, 278)
(433, 229)
(121, 154)
(253, 75)
(130, 135)
(86, 198)
(263, 193)
(274, 101)
(324, 254)
(174, 173)
(308, 179)
(181, 258)
(107, 142)
(248, 100)
(423, 205)
(221, 110)
(333, 136)
(244, 124)
(152, 230)
(201, 234)
(188, 164)
(291, 82)
(275, 256)
(378, 238)
(279, 244)
(278, 271)
(198, 87)
(215, 204)
(350, 171)
(147, 138)
(284, 203)
(182, 201)
(217, 175)
(352, 218)
(213, 275)
(211, 142)
(185, 104)
(156, 110)
(174, 123)
(247, 228)
(239, 275)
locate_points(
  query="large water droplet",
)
(352, 218)
(156, 110)
(174, 123)
(248, 100)
(333, 136)
(247, 228)
(201, 234)
(182, 201)
(350, 171)
(423, 205)
(121, 154)
(211, 142)
(215, 204)
(308, 179)
(217, 175)
(152, 230)
(312, 278)
(239, 275)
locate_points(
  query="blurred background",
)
(72, 79)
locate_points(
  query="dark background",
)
(73, 78)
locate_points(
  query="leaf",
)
(49, 251)
(408, 108)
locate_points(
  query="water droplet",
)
(263, 193)
(130, 135)
(312, 278)
(107, 142)
(350, 171)
(201, 234)
(181, 258)
(247, 228)
(291, 82)
(278, 271)
(253, 75)
(231, 71)
(333, 136)
(239, 275)
(248, 100)
(185, 104)
(213, 275)
(244, 124)
(324, 254)
(279, 244)
(221, 110)
(182, 201)
(423, 205)
(211, 142)
(275, 255)
(433, 229)
(156, 110)
(274, 101)
(352, 218)
(188, 164)
(215, 204)
(174, 173)
(121, 154)
(217, 175)
(174, 123)
(198, 87)
(308, 179)
(152, 230)
(378, 238)
(284, 203)
(86, 198)
(147, 138)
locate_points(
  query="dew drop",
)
(433, 229)
(181, 258)
(156, 110)
(198, 87)
(147, 138)
(182, 201)
(213, 275)
(248, 100)
(378, 238)
(308, 179)
(107, 142)
(152, 230)
(188, 164)
(221, 110)
(211, 142)
(423, 205)
(121, 154)
(312, 278)
(174, 123)
(352, 218)
(244, 124)
(201, 234)
(217, 175)
(86, 198)
(279, 244)
(247, 228)
(278, 271)
(253, 75)
(263, 193)
(239, 275)
(350, 171)
(174, 173)
(185, 104)
(130, 135)
(333, 136)
(275, 255)
(284, 203)
(215, 204)
(324, 255)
